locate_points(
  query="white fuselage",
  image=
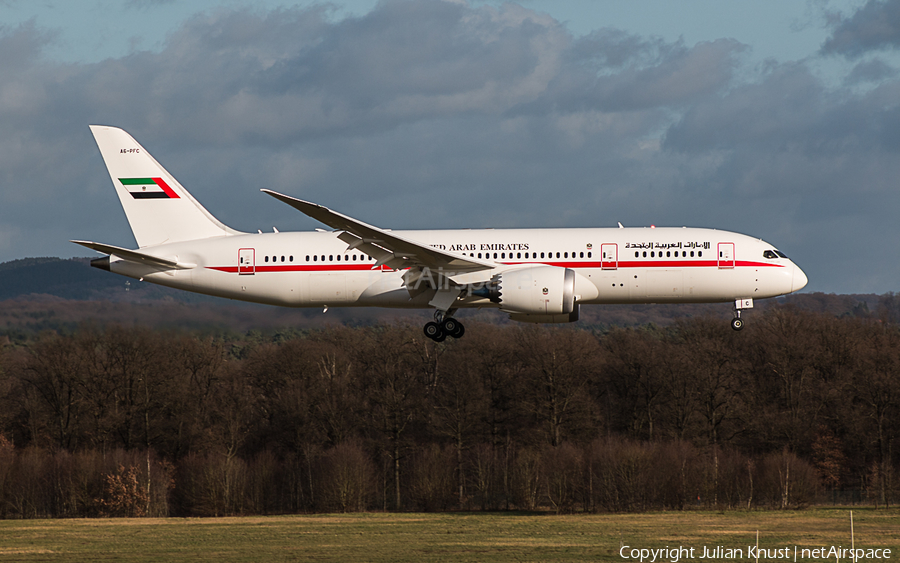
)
(619, 265)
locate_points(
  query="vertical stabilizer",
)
(158, 208)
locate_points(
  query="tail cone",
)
(102, 263)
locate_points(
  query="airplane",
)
(533, 275)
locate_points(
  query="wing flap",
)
(387, 248)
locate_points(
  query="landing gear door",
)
(609, 256)
(246, 261)
(726, 255)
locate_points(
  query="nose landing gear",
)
(443, 326)
(737, 323)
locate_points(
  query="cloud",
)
(871, 71)
(146, 4)
(22, 45)
(874, 26)
(433, 114)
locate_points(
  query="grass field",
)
(437, 537)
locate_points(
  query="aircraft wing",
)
(387, 248)
(134, 255)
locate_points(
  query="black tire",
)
(434, 331)
(450, 326)
(459, 331)
(737, 324)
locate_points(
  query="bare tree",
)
(394, 390)
(876, 390)
(55, 370)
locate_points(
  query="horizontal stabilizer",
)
(135, 256)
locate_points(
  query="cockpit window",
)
(780, 254)
(770, 254)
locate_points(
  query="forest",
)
(799, 408)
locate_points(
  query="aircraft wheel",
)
(451, 327)
(737, 324)
(434, 332)
(454, 328)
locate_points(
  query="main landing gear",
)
(443, 326)
(737, 323)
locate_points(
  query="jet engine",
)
(563, 318)
(537, 290)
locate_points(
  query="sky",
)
(775, 119)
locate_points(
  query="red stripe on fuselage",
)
(578, 265)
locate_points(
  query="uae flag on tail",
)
(148, 188)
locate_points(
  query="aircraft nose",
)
(799, 280)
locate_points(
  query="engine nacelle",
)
(561, 318)
(538, 290)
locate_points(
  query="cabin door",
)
(246, 261)
(726, 255)
(609, 256)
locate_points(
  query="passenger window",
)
(495, 255)
(589, 254)
(699, 253)
(668, 253)
(557, 254)
(314, 258)
(518, 255)
(291, 258)
(267, 258)
(566, 255)
(645, 254)
(503, 255)
(307, 258)
(542, 254)
(581, 255)
(692, 253)
(479, 255)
